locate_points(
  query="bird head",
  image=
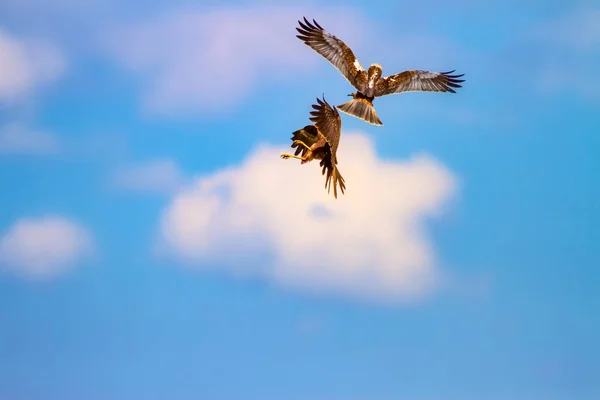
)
(374, 71)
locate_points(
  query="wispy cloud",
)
(17, 139)
(42, 248)
(579, 29)
(156, 176)
(26, 64)
(572, 44)
(370, 242)
(205, 61)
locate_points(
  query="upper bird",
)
(370, 84)
(320, 141)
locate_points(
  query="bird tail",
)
(361, 108)
(333, 177)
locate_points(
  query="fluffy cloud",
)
(273, 218)
(43, 247)
(157, 176)
(20, 140)
(26, 64)
(204, 61)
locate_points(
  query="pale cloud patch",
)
(26, 64)
(415, 51)
(18, 139)
(156, 176)
(42, 248)
(572, 48)
(579, 29)
(273, 218)
(311, 324)
(580, 79)
(205, 61)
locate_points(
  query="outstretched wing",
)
(419, 81)
(328, 122)
(334, 50)
(308, 135)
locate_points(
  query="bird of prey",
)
(370, 84)
(320, 141)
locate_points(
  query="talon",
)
(286, 156)
(300, 142)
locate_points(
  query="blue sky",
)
(153, 245)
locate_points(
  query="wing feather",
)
(324, 132)
(419, 81)
(309, 135)
(328, 122)
(334, 50)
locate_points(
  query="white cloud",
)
(43, 247)
(25, 64)
(158, 176)
(200, 61)
(273, 218)
(20, 140)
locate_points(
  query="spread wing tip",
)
(453, 77)
(317, 24)
(453, 82)
(310, 26)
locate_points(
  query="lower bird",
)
(320, 141)
(369, 83)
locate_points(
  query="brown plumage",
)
(370, 83)
(320, 141)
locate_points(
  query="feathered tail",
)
(361, 108)
(333, 177)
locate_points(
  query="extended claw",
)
(300, 142)
(286, 156)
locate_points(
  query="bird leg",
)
(286, 156)
(300, 142)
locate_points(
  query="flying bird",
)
(320, 141)
(370, 84)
